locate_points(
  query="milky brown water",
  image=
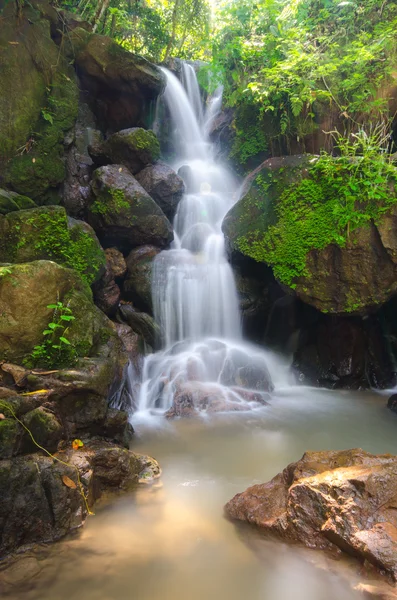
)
(173, 543)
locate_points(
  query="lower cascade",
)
(204, 362)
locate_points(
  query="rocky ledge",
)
(343, 501)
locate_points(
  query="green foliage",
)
(335, 197)
(153, 28)
(300, 62)
(55, 351)
(117, 203)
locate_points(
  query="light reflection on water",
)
(172, 542)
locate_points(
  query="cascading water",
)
(204, 363)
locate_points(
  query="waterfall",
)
(204, 361)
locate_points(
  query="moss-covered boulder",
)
(38, 104)
(135, 148)
(10, 434)
(46, 233)
(289, 220)
(118, 85)
(123, 214)
(26, 290)
(44, 427)
(11, 201)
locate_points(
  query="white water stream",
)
(204, 358)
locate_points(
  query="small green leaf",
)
(64, 340)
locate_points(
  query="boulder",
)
(115, 262)
(392, 403)
(11, 201)
(134, 148)
(44, 498)
(163, 185)
(123, 214)
(141, 323)
(27, 289)
(119, 85)
(46, 233)
(45, 428)
(138, 284)
(107, 293)
(338, 501)
(284, 221)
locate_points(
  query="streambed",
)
(171, 541)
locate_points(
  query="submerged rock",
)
(341, 501)
(123, 214)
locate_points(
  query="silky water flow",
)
(203, 356)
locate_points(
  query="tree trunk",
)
(174, 26)
(99, 13)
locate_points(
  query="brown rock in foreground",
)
(345, 500)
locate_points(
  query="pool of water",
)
(172, 542)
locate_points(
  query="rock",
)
(392, 403)
(150, 468)
(138, 284)
(11, 201)
(244, 370)
(164, 186)
(134, 148)
(36, 505)
(26, 290)
(79, 164)
(347, 353)
(118, 85)
(117, 428)
(46, 233)
(16, 373)
(115, 467)
(327, 269)
(123, 214)
(107, 293)
(338, 501)
(141, 323)
(10, 436)
(42, 499)
(45, 428)
(116, 262)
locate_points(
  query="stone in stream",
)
(331, 500)
(138, 283)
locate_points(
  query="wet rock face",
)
(341, 501)
(348, 353)
(164, 186)
(138, 284)
(123, 214)
(118, 84)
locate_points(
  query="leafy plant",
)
(56, 350)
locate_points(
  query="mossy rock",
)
(46, 233)
(26, 290)
(288, 220)
(45, 429)
(135, 148)
(10, 433)
(123, 214)
(11, 201)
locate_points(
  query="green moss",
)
(44, 234)
(143, 139)
(324, 206)
(42, 168)
(115, 203)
